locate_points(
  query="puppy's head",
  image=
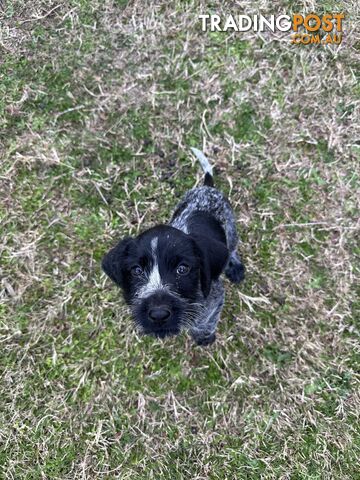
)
(165, 275)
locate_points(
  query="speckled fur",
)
(202, 237)
(210, 200)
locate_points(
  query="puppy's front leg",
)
(203, 332)
(204, 341)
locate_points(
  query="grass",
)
(99, 104)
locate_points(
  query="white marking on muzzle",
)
(154, 281)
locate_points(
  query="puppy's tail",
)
(205, 164)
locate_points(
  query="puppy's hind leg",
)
(235, 270)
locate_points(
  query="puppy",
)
(170, 274)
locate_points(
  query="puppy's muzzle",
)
(159, 315)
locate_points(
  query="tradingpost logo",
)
(306, 29)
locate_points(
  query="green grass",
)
(99, 104)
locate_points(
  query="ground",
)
(100, 102)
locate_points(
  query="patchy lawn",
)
(99, 103)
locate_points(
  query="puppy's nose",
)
(159, 314)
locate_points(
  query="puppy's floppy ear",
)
(214, 256)
(113, 260)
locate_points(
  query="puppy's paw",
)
(205, 341)
(235, 271)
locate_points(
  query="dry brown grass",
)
(100, 103)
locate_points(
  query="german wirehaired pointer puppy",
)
(170, 274)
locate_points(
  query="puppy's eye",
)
(183, 269)
(136, 271)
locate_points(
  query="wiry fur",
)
(200, 238)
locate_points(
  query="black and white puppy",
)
(170, 274)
